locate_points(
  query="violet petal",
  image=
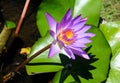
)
(84, 29)
(76, 19)
(76, 50)
(80, 52)
(54, 49)
(53, 34)
(83, 40)
(51, 22)
(87, 35)
(67, 17)
(84, 55)
(69, 52)
(78, 26)
(78, 45)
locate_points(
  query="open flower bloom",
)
(69, 35)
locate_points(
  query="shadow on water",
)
(79, 67)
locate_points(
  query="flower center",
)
(69, 34)
(66, 36)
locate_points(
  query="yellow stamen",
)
(69, 34)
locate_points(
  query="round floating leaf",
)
(111, 31)
(81, 70)
(87, 71)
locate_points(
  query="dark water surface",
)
(11, 10)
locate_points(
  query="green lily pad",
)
(88, 71)
(111, 31)
(80, 70)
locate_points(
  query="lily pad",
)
(86, 71)
(111, 31)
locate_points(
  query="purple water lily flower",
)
(69, 35)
